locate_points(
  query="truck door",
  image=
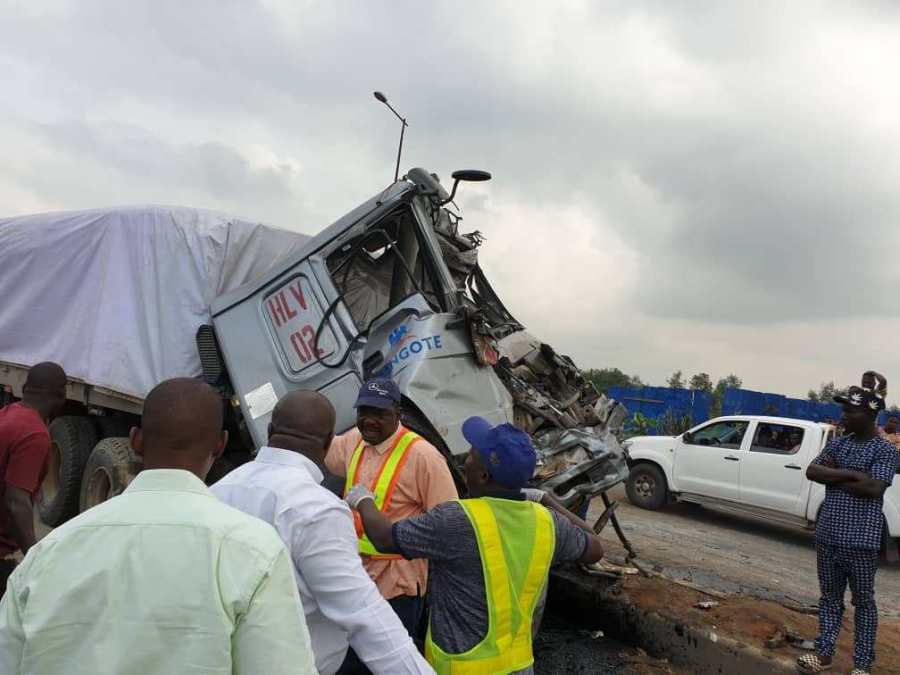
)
(773, 471)
(270, 345)
(708, 460)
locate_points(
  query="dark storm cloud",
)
(742, 154)
(112, 163)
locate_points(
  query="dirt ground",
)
(755, 571)
(754, 621)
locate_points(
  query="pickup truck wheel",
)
(110, 468)
(71, 441)
(646, 487)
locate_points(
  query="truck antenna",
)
(381, 97)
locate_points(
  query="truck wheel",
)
(71, 441)
(113, 427)
(110, 468)
(646, 487)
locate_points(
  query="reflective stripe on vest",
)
(383, 485)
(515, 564)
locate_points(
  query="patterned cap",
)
(860, 397)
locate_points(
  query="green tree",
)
(826, 392)
(604, 378)
(676, 381)
(701, 382)
(730, 381)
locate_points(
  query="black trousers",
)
(411, 612)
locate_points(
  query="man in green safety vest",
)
(489, 555)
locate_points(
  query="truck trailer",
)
(125, 298)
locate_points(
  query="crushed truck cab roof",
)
(394, 289)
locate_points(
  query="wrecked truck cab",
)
(394, 289)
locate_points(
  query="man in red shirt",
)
(24, 447)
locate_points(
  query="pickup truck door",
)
(708, 461)
(773, 472)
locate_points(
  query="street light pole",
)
(381, 97)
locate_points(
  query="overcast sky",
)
(677, 185)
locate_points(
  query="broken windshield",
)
(383, 267)
(460, 254)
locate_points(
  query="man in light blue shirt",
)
(282, 486)
(163, 578)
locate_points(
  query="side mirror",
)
(687, 437)
(468, 175)
(471, 175)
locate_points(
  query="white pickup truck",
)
(747, 464)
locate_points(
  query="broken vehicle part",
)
(395, 289)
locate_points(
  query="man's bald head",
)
(181, 426)
(45, 388)
(46, 376)
(303, 421)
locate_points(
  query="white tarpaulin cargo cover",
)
(116, 295)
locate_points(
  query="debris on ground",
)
(798, 642)
(706, 604)
(605, 567)
(653, 573)
(756, 622)
(786, 637)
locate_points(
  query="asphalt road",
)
(563, 647)
(732, 553)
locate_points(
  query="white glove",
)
(533, 494)
(357, 494)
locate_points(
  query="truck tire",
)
(113, 427)
(110, 468)
(71, 441)
(646, 486)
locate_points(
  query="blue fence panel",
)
(745, 402)
(702, 403)
(656, 402)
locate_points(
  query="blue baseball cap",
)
(380, 392)
(505, 451)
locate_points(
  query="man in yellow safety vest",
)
(408, 476)
(490, 555)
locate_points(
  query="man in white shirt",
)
(282, 486)
(163, 578)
